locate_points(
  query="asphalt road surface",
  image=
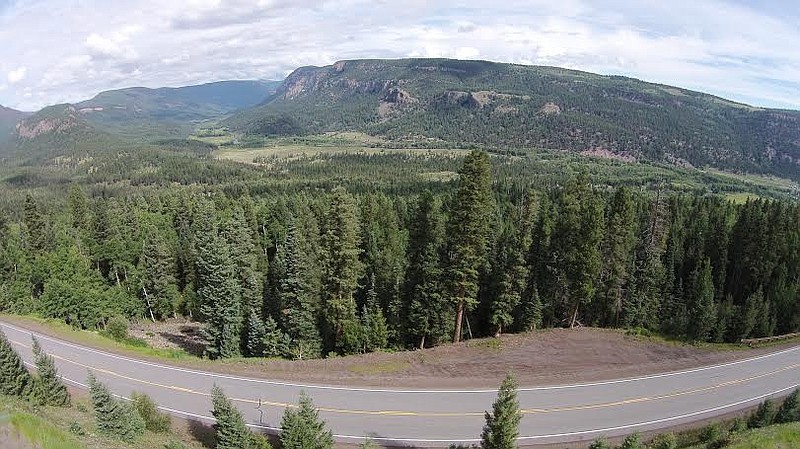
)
(431, 418)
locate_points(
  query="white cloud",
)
(79, 49)
(17, 75)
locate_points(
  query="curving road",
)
(432, 418)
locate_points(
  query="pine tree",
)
(114, 417)
(427, 314)
(531, 311)
(50, 389)
(704, 310)
(342, 269)
(299, 296)
(158, 282)
(513, 273)
(79, 207)
(502, 425)
(763, 416)
(576, 249)
(302, 428)
(14, 378)
(276, 343)
(36, 226)
(218, 291)
(790, 409)
(232, 432)
(256, 334)
(373, 323)
(467, 231)
(617, 250)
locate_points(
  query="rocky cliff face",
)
(51, 120)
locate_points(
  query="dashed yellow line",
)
(529, 411)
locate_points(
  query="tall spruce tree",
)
(342, 269)
(14, 378)
(218, 291)
(502, 424)
(50, 389)
(299, 296)
(302, 428)
(427, 313)
(467, 232)
(36, 226)
(158, 281)
(617, 250)
(704, 310)
(232, 432)
(576, 249)
(114, 417)
(512, 277)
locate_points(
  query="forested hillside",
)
(434, 103)
(298, 269)
(171, 111)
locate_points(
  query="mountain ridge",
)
(435, 102)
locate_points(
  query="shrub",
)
(117, 328)
(664, 441)
(632, 442)
(710, 433)
(600, 443)
(77, 429)
(154, 420)
(739, 425)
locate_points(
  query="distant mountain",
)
(122, 120)
(8, 120)
(436, 102)
(56, 131)
(138, 111)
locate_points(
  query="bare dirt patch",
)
(552, 356)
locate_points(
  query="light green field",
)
(770, 182)
(261, 156)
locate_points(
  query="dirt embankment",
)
(553, 356)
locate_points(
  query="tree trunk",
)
(422, 342)
(149, 307)
(499, 331)
(574, 316)
(459, 319)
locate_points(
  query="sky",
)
(57, 51)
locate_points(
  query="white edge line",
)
(599, 432)
(387, 390)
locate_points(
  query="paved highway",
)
(431, 418)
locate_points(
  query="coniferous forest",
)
(346, 267)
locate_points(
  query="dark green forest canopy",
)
(607, 244)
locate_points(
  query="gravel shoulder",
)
(547, 357)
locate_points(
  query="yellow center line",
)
(434, 414)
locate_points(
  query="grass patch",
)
(389, 367)
(486, 343)
(41, 433)
(778, 436)
(98, 340)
